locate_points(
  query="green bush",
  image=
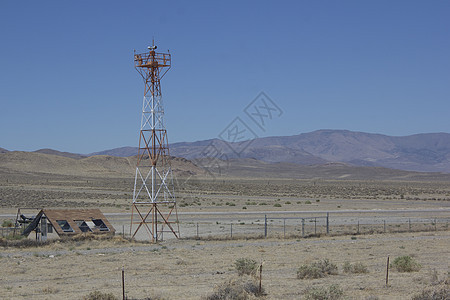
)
(246, 266)
(333, 292)
(405, 264)
(317, 269)
(307, 202)
(277, 205)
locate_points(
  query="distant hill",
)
(94, 166)
(420, 152)
(247, 167)
(428, 152)
(121, 152)
(27, 163)
(59, 153)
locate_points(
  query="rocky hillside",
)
(420, 152)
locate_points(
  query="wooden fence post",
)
(123, 283)
(265, 225)
(303, 227)
(387, 272)
(260, 279)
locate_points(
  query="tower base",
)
(156, 218)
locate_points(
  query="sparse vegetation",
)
(405, 264)
(441, 292)
(97, 295)
(7, 223)
(333, 292)
(212, 255)
(358, 267)
(437, 289)
(49, 290)
(241, 288)
(317, 269)
(246, 266)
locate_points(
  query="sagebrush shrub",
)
(246, 266)
(97, 295)
(7, 223)
(333, 292)
(405, 264)
(317, 269)
(236, 289)
(358, 267)
(438, 293)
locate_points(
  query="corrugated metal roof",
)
(71, 216)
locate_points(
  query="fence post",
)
(328, 223)
(435, 225)
(409, 221)
(284, 228)
(315, 225)
(231, 230)
(265, 225)
(260, 278)
(123, 283)
(387, 272)
(303, 227)
(197, 229)
(384, 226)
(358, 228)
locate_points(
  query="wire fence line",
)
(276, 225)
(283, 227)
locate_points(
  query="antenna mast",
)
(153, 195)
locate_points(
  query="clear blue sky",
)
(67, 79)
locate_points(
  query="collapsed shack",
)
(52, 223)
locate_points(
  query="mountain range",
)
(428, 152)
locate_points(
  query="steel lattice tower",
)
(153, 195)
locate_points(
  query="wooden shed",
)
(67, 222)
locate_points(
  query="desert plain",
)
(197, 264)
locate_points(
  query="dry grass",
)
(317, 269)
(237, 288)
(192, 269)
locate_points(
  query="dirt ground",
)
(191, 269)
